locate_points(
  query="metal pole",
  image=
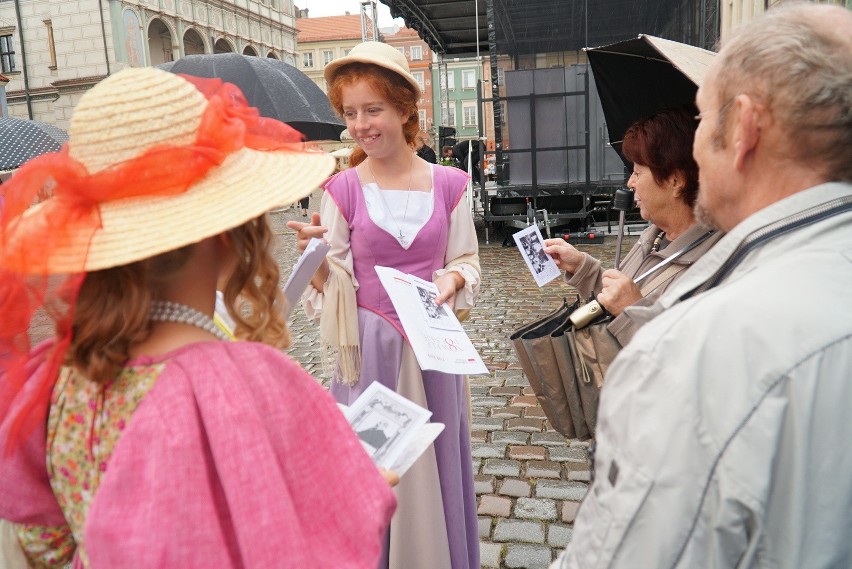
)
(24, 60)
(622, 201)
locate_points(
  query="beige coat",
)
(587, 279)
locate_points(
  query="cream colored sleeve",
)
(462, 256)
(338, 236)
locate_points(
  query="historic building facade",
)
(63, 48)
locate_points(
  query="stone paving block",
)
(490, 505)
(567, 453)
(476, 464)
(580, 475)
(487, 424)
(483, 484)
(478, 436)
(535, 509)
(507, 412)
(479, 390)
(534, 413)
(529, 390)
(527, 453)
(548, 439)
(559, 535)
(510, 374)
(489, 401)
(505, 391)
(519, 530)
(524, 401)
(479, 412)
(489, 554)
(517, 381)
(488, 450)
(501, 467)
(486, 380)
(511, 437)
(561, 489)
(569, 511)
(515, 487)
(528, 556)
(484, 526)
(580, 444)
(526, 425)
(543, 469)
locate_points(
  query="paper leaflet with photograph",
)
(437, 338)
(540, 264)
(393, 430)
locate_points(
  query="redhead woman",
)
(139, 437)
(395, 209)
(665, 179)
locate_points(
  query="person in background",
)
(394, 209)
(720, 422)
(665, 179)
(425, 151)
(139, 437)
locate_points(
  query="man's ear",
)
(746, 128)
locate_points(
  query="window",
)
(450, 115)
(468, 79)
(51, 45)
(346, 52)
(401, 50)
(327, 56)
(451, 80)
(501, 76)
(416, 53)
(469, 113)
(7, 54)
(422, 119)
(308, 59)
(418, 76)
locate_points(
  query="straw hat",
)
(130, 112)
(377, 53)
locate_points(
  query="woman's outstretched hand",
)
(306, 231)
(567, 258)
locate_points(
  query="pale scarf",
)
(340, 347)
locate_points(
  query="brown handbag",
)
(538, 359)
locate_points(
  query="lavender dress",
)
(436, 523)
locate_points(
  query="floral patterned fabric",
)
(85, 422)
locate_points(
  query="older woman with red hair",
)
(665, 179)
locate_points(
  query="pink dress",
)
(215, 455)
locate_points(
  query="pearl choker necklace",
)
(167, 311)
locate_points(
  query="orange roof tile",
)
(328, 28)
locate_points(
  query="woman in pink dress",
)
(394, 209)
(139, 437)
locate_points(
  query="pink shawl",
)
(236, 458)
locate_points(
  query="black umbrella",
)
(638, 77)
(277, 89)
(21, 140)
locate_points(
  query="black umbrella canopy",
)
(639, 77)
(277, 89)
(22, 140)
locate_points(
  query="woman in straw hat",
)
(138, 438)
(395, 209)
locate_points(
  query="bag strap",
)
(771, 231)
(668, 260)
(666, 275)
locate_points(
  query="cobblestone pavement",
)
(529, 479)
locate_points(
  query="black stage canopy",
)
(541, 26)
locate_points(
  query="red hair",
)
(389, 85)
(663, 143)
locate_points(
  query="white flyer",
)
(393, 430)
(446, 348)
(303, 272)
(540, 264)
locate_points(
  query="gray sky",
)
(317, 8)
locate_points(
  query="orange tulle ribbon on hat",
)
(69, 199)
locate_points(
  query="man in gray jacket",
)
(724, 426)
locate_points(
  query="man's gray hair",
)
(791, 61)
